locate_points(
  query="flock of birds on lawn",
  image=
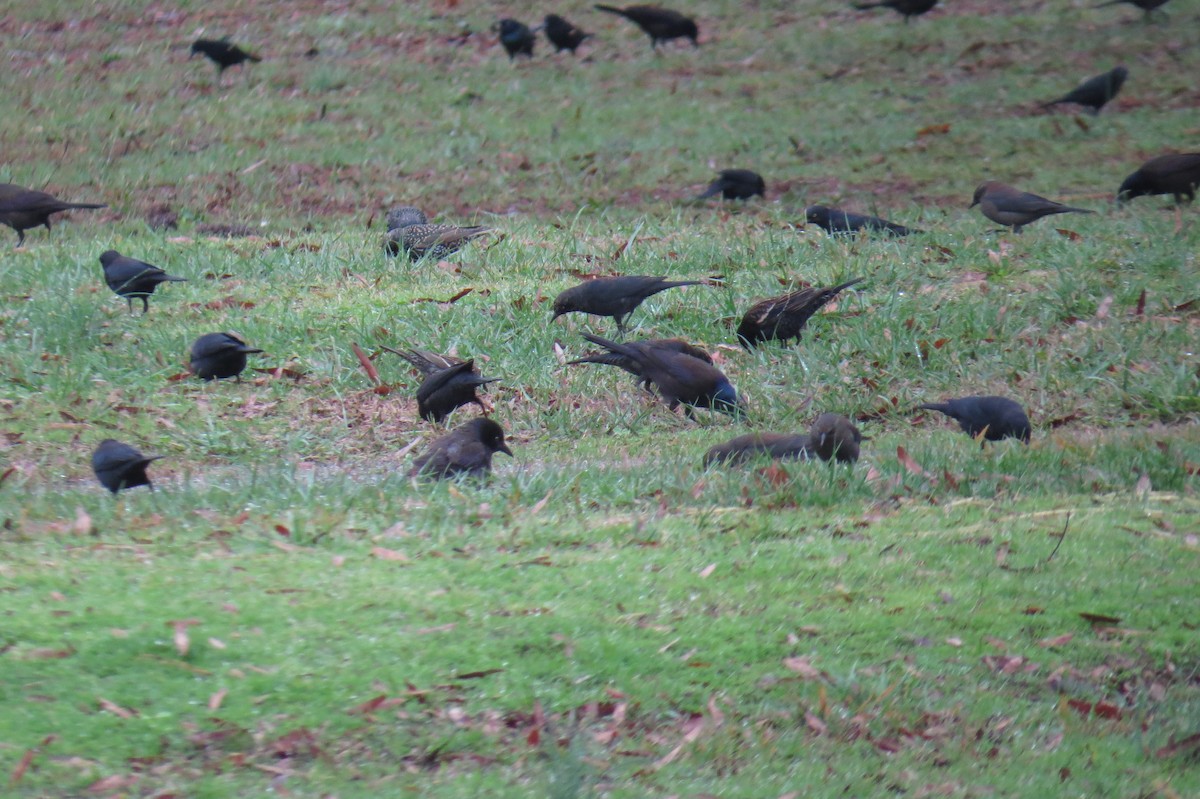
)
(681, 373)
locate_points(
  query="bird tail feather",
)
(610, 9)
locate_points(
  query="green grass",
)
(640, 611)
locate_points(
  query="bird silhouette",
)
(909, 8)
(562, 34)
(835, 221)
(613, 296)
(1095, 92)
(130, 278)
(785, 316)
(1014, 208)
(516, 37)
(834, 437)
(119, 466)
(777, 446)
(444, 390)
(465, 450)
(661, 24)
(735, 184)
(409, 231)
(1178, 175)
(22, 208)
(994, 418)
(219, 355)
(223, 53)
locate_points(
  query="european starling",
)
(779, 446)
(130, 278)
(443, 391)
(1014, 208)
(679, 378)
(1148, 6)
(736, 184)
(409, 231)
(613, 296)
(219, 355)
(784, 317)
(467, 449)
(661, 24)
(835, 436)
(22, 208)
(119, 466)
(994, 417)
(1178, 175)
(222, 52)
(634, 367)
(1094, 92)
(909, 8)
(516, 37)
(835, 221)
(562, 34)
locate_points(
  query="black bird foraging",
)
(222, 52)
(1177, 175)
(119, 466)
(634, 367)
(1093, 93)
(562, 34)
(995, 418)
(424, 361)
(219, 355)
(516, 37)
(777, 446)
(1014, 208)
(909, 8)
(613, 296)
(679, 378)
(835, 221)
(661, 24)
(834, 437)
(1148, 6)
(22, 208)
(736, 184)
(447, 389)
(130, 278)
(465, 450)
(785, 316)
(409, 231)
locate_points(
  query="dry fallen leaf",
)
(182, 642)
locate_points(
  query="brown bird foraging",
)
(22, 208)
(785, 316)
(1178, 175)
(467, 449)
(1014, 208)
(834, 437)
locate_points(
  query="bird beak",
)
(972, 205)
(556, 315)
(504, 448)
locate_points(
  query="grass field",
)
(288, 613)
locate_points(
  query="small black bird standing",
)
(131, 278)
(661, 24)
(778, 446)
(784, 317)
(447, 389)
(1014, 208)
(119, 466)
(516, 37)
(679, 378)
(219, 355)
(833, 436)
(613, 296)
(562, 34)
(835, 221)
(1094, 92)
(409, 231)
(909, 8)
(633, 367)
(424, 361)
(22, 208)
(222, 52)
(994, 417)
(1149, 6)
(736, 184)
(467, 449)
(1178, 175)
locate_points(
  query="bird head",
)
(108, 256)
(726, 400)
(404, 216)
(980, 190)
(491, 435)
(816, 215)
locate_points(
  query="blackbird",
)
(222, 52)
(409, 231)
(661, 24)
(679, 378)
(1014, 208)
(218, 355)
(613, 296)
(1178, 175)
(562, 34)
(994, 417)
(736, 184)
(909, 8)
(467, 449)
(447, 389)
(835, 221)
(784, 317)
(426, 362)
(1094, 92)
(780, 446)
(634, 367)
(22, 208)
(516, 37)
(834, 436)
(130, 278)
(1148, 6)
(119, 466)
